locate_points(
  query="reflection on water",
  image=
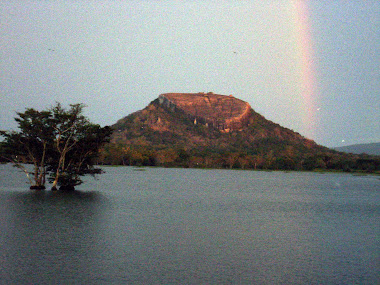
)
(42, 229)
(188, 226)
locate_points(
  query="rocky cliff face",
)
(199, 120)
(225, 113)
(211, 130)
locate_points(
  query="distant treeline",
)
(288, 158)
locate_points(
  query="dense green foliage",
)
(158, 136)
(58, 142)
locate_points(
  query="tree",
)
(60, 142)
(231, 159)
(30, 145)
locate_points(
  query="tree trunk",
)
(37, 185)
(36, 174)
(60, 165)
(55, 182)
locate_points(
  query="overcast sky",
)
(118, 56)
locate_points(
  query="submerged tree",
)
(76, 145)
(60, 142)
(30, 144)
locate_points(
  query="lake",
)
(192, 226)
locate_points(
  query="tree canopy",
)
(59, 142)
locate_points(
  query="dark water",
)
(186, 226)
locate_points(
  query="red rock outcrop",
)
(225, 113)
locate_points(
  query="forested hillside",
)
(173, 136)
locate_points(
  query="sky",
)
(310, 66)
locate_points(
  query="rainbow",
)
(306, 65)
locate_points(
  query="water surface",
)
(191, 226)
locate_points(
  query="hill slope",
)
(370, 148)
(211, 130)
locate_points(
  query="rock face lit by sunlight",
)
(225, 113)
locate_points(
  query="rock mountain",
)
(212, 130)
(201, 120)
